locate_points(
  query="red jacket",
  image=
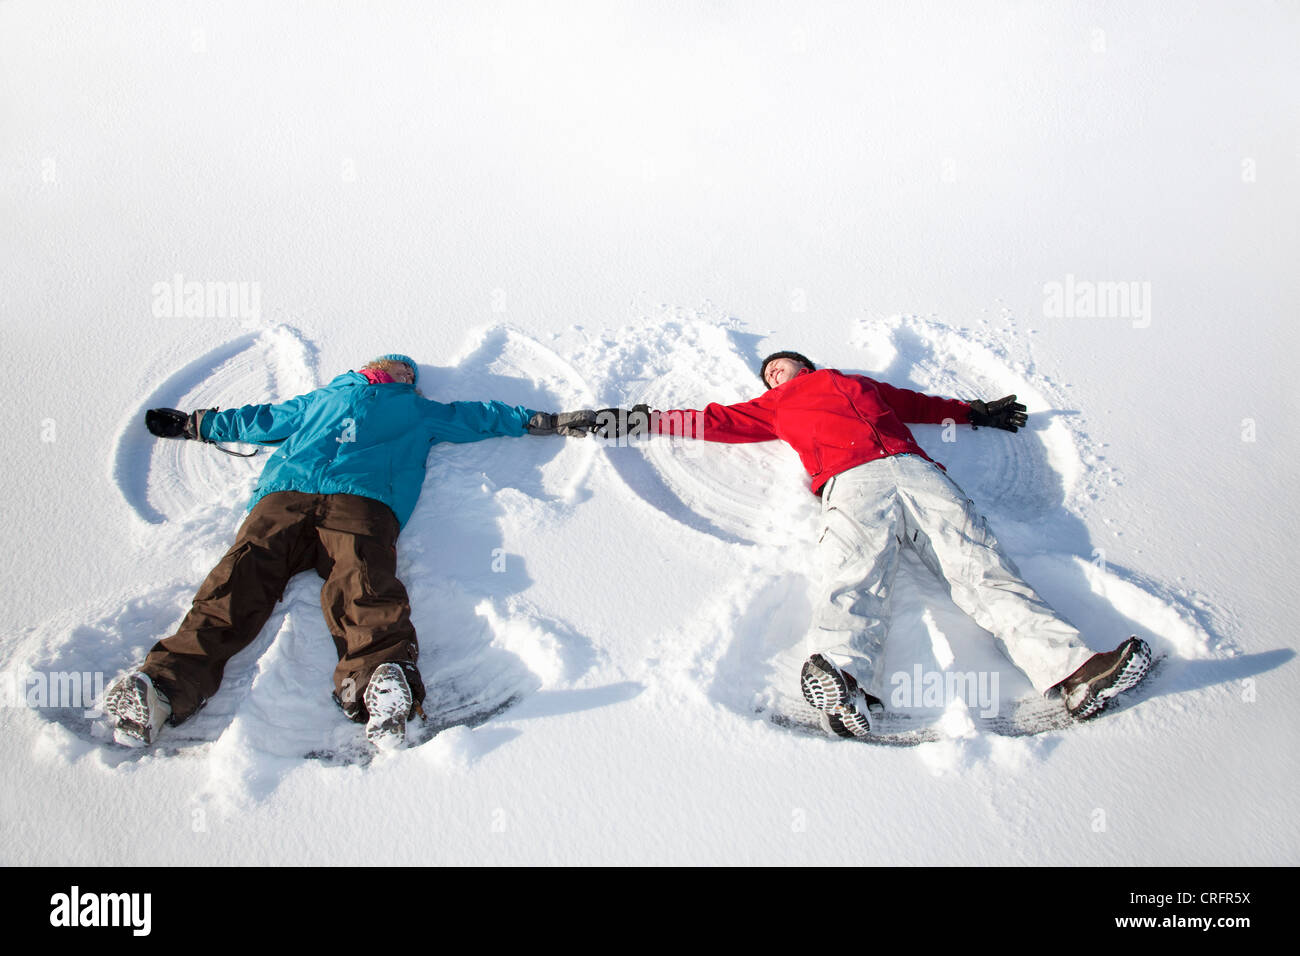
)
(834, 421)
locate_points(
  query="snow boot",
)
(1102, 676)
(138, 708)
(388, 702)
(843, 705)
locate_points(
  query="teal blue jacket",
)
(354, 438)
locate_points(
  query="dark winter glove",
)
(170, 423)
(1004, 413)
(623, 422)
(573, 424)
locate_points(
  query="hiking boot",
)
(1102, 676)
(388, 702)
(138, 708)
(843, 705)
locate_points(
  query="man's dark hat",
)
(762, 370)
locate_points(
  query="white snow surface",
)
(589, 204)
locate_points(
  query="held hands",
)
(170, 423)
(1004, 413)
(573, 424)
(605, 423)
(635, 422)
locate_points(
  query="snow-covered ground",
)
(592, 204)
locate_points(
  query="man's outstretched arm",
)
(918, 408)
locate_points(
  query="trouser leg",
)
(858, 556)
(274, 543)
(366, 606)
(954, 540)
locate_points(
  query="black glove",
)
(623, 422)
(170, 423)
(1004, 413)
(573, 424)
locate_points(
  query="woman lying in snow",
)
(880, 491)
(342, 483)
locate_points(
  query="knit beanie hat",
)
(762, 371)
(395, 357)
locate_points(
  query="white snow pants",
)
(868, 513)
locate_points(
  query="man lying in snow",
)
(880, 491)
(333, 498)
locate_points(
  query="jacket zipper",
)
(879, 441)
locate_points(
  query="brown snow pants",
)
(350, 542)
